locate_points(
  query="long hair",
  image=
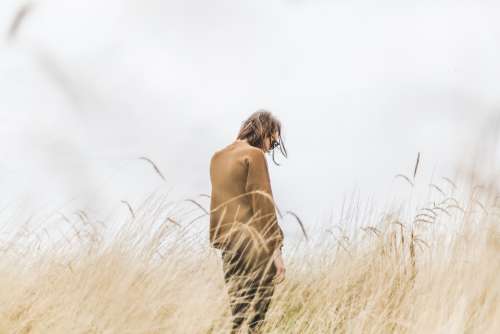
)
(259, 126)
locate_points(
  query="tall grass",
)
(156, 274)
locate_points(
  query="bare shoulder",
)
(214, 155)
(254, 154)
(249, 149)
(240, 151)
(220, 152)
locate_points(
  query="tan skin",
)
(278, 259)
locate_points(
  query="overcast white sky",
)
(360, 87)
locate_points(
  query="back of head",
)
(260, 125)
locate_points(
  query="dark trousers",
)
(250, 289)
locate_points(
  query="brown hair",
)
(260, 125)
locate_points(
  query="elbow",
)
(275, 244)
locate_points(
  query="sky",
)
(361, 87)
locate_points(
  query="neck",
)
(246, 141)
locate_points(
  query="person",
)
(243, 220)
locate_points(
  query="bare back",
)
(235, 171)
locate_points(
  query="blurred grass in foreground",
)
(404, 273)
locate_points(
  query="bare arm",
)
(263, 205)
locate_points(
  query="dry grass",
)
(156, 274)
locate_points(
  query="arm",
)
(280, 266)
(263, 205)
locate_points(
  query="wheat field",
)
(431, 269)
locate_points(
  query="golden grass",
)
(156, 274)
